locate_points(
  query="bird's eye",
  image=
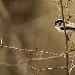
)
(58, 22)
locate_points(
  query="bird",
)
(60, 27)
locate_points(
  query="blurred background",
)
(30, 24)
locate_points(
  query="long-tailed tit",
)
(59, 25)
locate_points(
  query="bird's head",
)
(58, 22)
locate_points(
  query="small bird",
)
(59, 25)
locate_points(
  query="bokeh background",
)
(30, 24)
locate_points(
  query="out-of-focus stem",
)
(66, 38)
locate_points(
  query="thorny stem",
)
(66, 38)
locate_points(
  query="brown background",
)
(37, 31)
